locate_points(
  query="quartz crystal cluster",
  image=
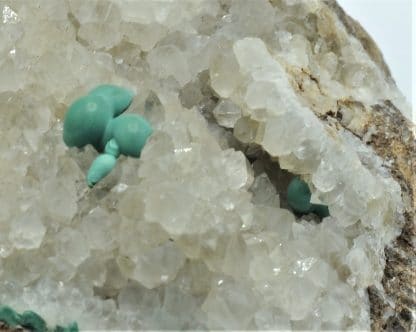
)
(196, 234)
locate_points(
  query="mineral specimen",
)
(95, 119)
(30, 321)
(243, 96)
(299, 199)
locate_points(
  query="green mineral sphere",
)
(73, 327)
(299, 196)
(9, 316)
(86, 120)
(320, 210)
(96, 119)
(299, 199)
(101, 166)
(131, 132)
(118, 97)
(33, 322)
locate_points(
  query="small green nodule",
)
(119, 97)
(73, 327)
(299, 199)
(33, 322)
(9, 316)
(299, 196)
(101, 166)
(320, 210)
(97, 119)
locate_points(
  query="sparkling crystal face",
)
(198, 233)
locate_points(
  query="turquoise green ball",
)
(299, 196)
(131, 132)
(101, 167)
(33, 322)
(86, 121)
(9, 316)
(97, 119)
(320, 210)
(119, 98)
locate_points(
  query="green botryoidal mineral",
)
(9, 316)
(97, 119)
(31, 321)
(299, 199)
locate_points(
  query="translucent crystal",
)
(264, 193)
(72, 246)
(229, 305)
(264, 95)
(227, 113)
(98, 227)
(248, 131)
(237, 170)
(158, 266)
(272, 319)
(27, 231)
(166, 61)
(225, 75)
(135, 298)
(146, 36)
(243, 13)
(60, 200)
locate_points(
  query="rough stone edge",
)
(354, 28)
(392, 137)
(393, 140)
(4, 328)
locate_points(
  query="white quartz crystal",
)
(196, 234)
(226, 113)
(27, 231)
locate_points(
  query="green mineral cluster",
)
(31, 321)
(97, 119)
(299, 199)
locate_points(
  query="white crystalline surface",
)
(192, 235)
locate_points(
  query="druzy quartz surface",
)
(197, 233)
